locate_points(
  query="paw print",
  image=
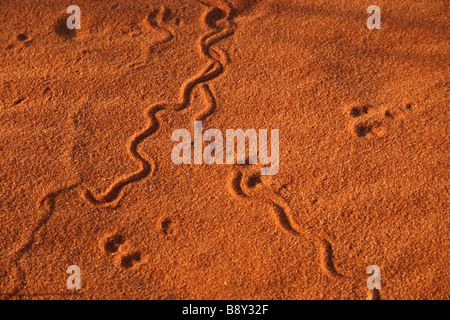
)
(116, 245)
(113, 243)
(20, 40)
(129, 260)
(368, 121)
(169, 227)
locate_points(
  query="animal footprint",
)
(22, 39)
(254, 180)
(116, 244)
(367, 121)
(169, 227)
(113, 242)
(130, 260)
(358, 111)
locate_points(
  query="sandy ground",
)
(87, 178)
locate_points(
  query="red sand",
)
(87, 178)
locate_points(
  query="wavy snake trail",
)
(239, 186)
(216, 58)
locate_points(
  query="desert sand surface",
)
(87, 179)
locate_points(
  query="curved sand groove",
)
(211, 71)
(146, 164)
(48, 203)
(155, 21)
(211, 19)
(210, 103)
(216, 64)
(239, 187)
